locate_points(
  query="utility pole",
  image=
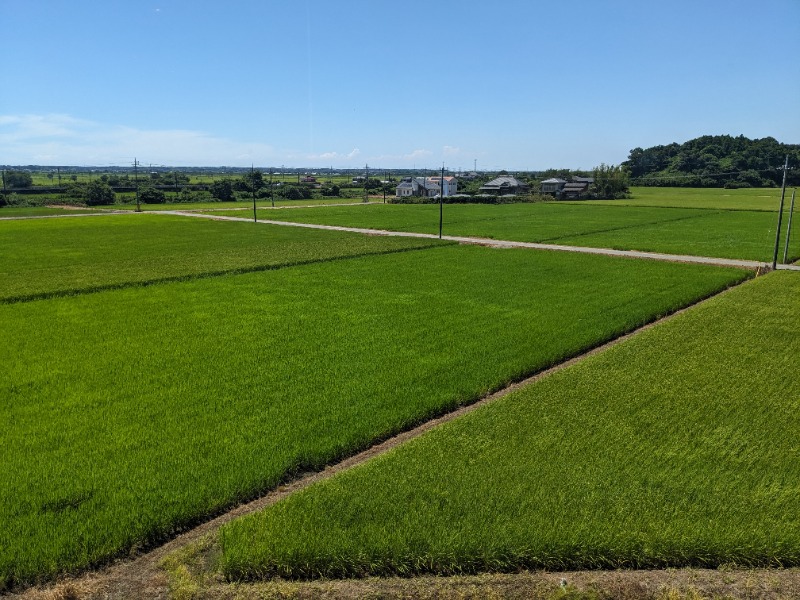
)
(385, 183)
(788, 228)
(441, 201)
(780, 215)
(271, 189)
(136, 183)
(366, 181)
(253, 185)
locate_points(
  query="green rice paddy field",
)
(622, 225)
(42, 258)
(763, 199)
(676, 447)
(160, 369)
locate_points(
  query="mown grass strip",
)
(677, 447)
(62, 257)
(134, 413)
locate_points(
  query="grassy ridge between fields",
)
(58, 257)
(723, 233)
(132, 413)
(678, 447)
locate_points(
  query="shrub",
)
(222, 190)
(151, 195)
(98, 192)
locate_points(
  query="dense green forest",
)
(715, 161)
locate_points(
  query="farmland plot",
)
(737, 234)
(760, 199)
(43, 258)
(677, 447)
(132, 413)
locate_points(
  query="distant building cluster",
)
(505, 185)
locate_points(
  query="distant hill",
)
(715, 161)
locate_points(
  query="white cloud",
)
(332, 156)
(417, 154)
(451, 150)
(64, 140)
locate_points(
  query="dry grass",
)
(678, 584)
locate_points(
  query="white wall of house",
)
(450, 187)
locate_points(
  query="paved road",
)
(683, 258)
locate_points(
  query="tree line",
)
(715, 161)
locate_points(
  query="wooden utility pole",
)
(136, 183)
(366, 181)
(271, 189)
(788, 228)
(253, 185)
(441, 201)
(780, 215)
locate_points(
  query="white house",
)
(450, 187)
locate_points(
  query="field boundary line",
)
(134, 576)
(679, 258)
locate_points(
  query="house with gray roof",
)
(505, 185)
(418, 186)
(578, 187)
(553, 185)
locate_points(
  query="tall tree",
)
(222, 190)
(611, 181)
(18, 179)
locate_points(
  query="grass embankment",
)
(131, 413)
(42, 258)
(677, 447)
(719, 233)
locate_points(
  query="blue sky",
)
(517, 85)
